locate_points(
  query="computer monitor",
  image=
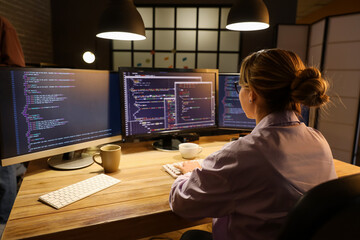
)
(305, 115)
(48, 112)
(167, 102)
(230, 113)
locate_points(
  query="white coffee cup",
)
(189, 150)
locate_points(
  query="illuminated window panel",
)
(121, 59)
(228, 63)
(186, 40)
(145, 44)
(228, 40)
(164, 40)
(164, 17)
(199, 40)
(224, 15)
(185, 60)
(207, 41)
(147, 16)
(143, 59)
(121, 45)
(206, 60)
(208, 17)
(186, 18)
(164, 60)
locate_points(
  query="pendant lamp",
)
(248, 15)
(121, 21)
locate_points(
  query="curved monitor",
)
(47, 112)
(167, 102)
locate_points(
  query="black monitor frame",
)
(169, 139)
(57, 150)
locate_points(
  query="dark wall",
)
(75, 24)
(74, 29)
(280, 12)
(32, 22)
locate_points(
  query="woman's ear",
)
(252, 95)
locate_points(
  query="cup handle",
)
(200, 149)
(94, 156)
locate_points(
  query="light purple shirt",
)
(249, 186)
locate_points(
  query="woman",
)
(249, 186)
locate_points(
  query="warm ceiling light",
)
(248, 15)
(121, 21)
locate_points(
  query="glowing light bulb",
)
(88, 57)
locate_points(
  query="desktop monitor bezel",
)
(48, 153)
(57, 151)
(167, 133)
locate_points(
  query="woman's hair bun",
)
(309, 88)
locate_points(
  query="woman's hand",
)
(188, 166)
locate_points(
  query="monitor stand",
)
(71, 160)
(167, 143)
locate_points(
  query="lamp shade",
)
(121, 21)
(248, 15)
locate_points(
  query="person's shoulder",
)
(315, 133)
(245, 147)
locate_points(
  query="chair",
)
(330, 210)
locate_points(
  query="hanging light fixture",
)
(248, 15)
(121, 21)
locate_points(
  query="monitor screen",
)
(230, 113)
(45, 112)
(305, 115)
(167, 101)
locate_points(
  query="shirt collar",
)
(286, 118)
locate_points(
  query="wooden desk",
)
(135, 208)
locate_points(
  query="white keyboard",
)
(74, 192)
(174, 171)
